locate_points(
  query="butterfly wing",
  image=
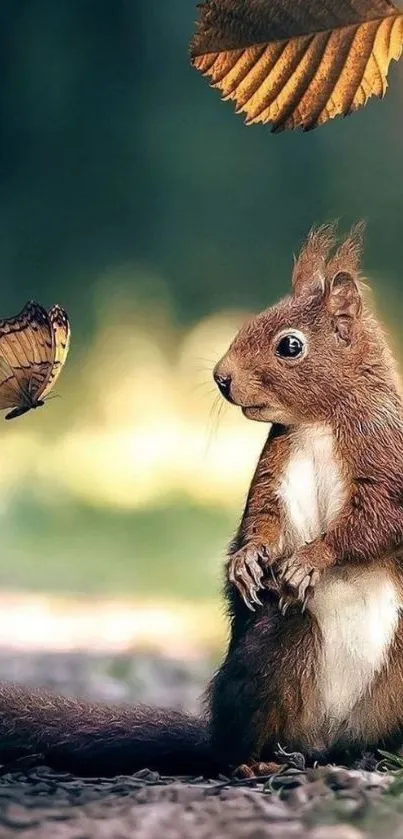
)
(10, 390)
(33, 350)
(27, 347)
(61, 338)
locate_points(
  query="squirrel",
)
(314, 577)
(318, 667)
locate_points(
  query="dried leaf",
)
(297, 63)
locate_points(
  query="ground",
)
(322, 804)
(37, 803)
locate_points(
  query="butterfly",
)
(33, 350)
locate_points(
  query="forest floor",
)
(38, 803)
(327, 803)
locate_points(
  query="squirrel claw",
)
(250, 598)
(248, 602)
(255, 598)
(299, 580)
(283, 605)
(246, 573)
(303, 588)
(274, 578)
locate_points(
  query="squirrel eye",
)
(290, 346)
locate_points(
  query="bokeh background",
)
(134, 197)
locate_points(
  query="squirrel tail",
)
(91, 739)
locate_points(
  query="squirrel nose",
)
(224, 384)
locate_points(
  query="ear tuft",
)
(310, 267)
(348, 255)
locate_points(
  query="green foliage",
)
(174, 550)
(115, 152)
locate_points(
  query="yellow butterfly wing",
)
(60, 326)
(27, 349)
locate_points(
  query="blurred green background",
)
(135, 198)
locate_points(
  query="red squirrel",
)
(319, 666)
(313, 580)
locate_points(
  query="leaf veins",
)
(297, 63)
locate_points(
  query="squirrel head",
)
(317, 349)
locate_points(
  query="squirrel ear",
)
(344, 304)
(311, 284)
(308, 278)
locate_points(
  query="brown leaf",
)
(297, 63)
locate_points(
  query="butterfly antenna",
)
(53, 396)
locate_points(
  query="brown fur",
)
(266, 690)
(89, 738)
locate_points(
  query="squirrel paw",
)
(256, 770)
(245, 571)
(299, 580)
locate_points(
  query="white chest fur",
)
(357, 610)
(311, 489)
